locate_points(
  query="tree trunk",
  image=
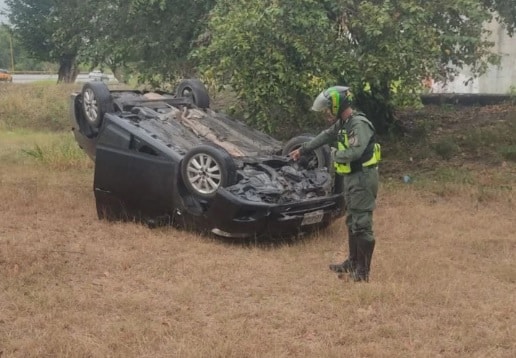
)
(68, 70)
(119, 74)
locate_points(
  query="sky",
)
(2, 7)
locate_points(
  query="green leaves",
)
(265, 51)
(279, 54)
(275, 54)
(504, 11)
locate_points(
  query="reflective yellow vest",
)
(343, 144)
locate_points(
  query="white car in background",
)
(98, 75)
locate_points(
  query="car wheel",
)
(195, 90)
(206, 168)
(319, 158)
(96, 101)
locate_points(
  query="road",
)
(28, 78)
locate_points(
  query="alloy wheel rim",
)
(90, 106)
(204, 173)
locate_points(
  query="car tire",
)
(206, 168)
(96, 102)
(319, 158)
(194, 89)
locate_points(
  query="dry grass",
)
(443, 280)
(36, 106)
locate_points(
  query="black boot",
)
(345, 266)
(349, 264)
(364, 257)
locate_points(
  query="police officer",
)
(356, 166)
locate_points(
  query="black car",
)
(167, 158)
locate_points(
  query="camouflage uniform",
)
(360, 188)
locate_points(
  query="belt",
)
(359, 168)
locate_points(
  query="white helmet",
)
(336, 99)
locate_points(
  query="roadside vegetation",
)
(275, 56)
(433, 142)
(40, 106)
(443, 278)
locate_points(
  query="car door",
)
(134, 178)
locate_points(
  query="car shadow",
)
(267, 241)
(262, 241)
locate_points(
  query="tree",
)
(276, 52)
(52, 30)
(107, 41)
(152, 37)
(504, 11)
(164, 32)
(398, 44)
(5, 47)
(19, 55)
(269, 52)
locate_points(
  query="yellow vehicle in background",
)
(5, 76)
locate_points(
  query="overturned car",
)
(167, 158)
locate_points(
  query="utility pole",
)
(12, 53)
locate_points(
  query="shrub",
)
(446, 148)
(508, 152)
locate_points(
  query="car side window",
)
(140, 146)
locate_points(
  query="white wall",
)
(498, 79)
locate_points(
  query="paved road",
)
(23, 78)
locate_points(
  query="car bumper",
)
(232, 216)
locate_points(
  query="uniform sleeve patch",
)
(353, 139)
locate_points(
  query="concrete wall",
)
(498, 79)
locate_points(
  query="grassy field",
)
(443, 276)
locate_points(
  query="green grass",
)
(57, 151)
(436, 136)
(508, 152)
(446, 148)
